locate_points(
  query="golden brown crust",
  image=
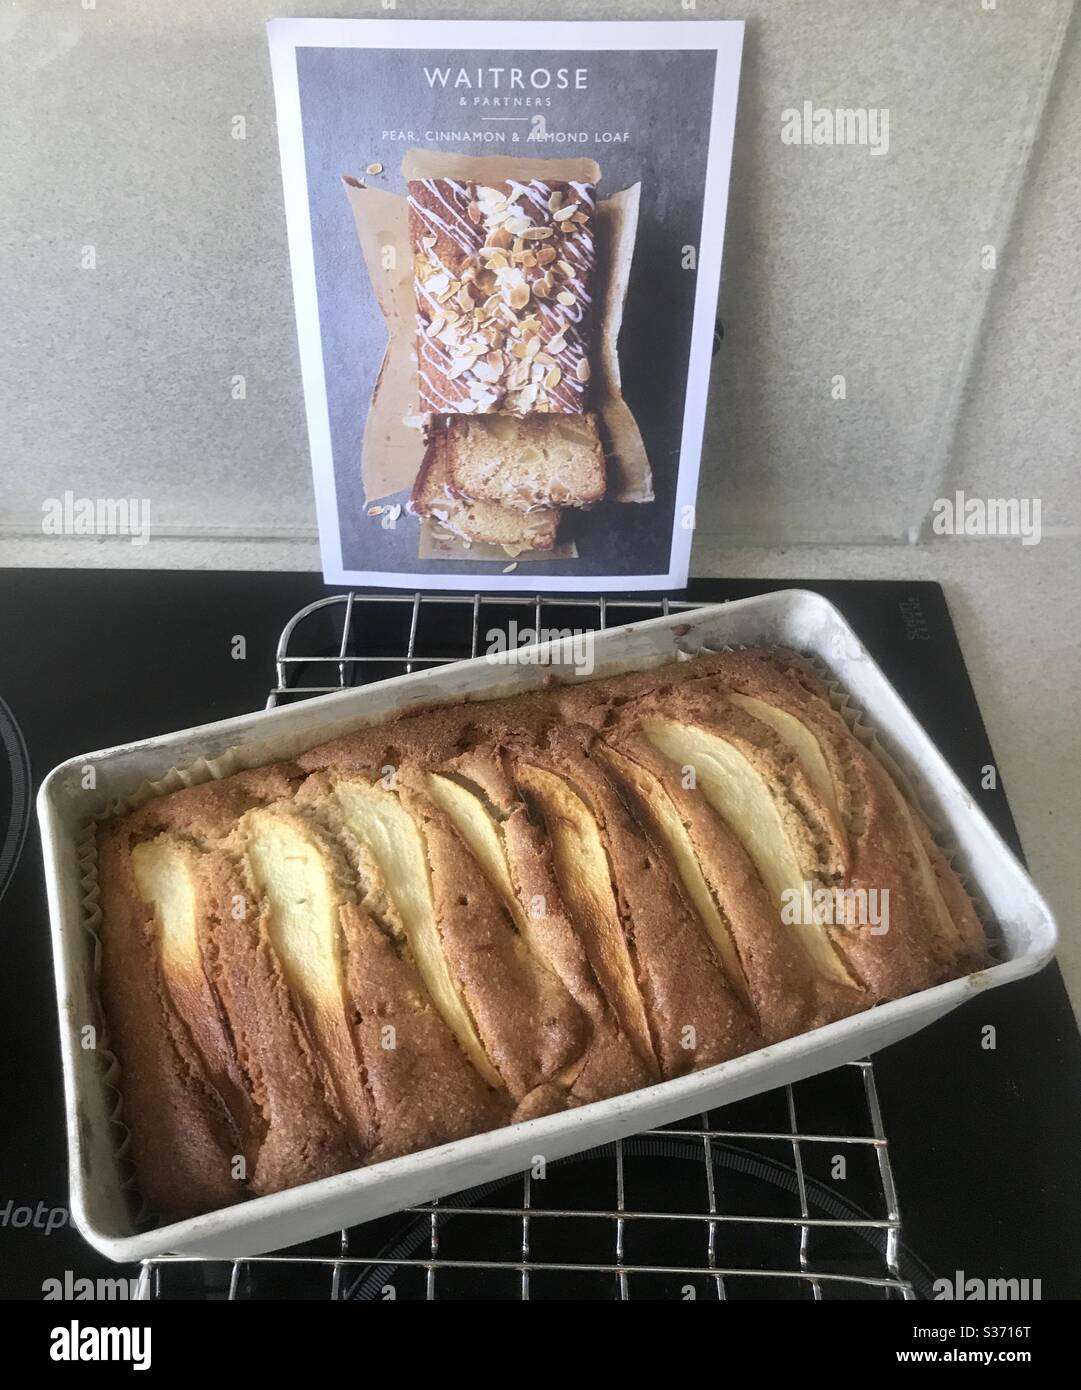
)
(599, 919)
(529, 1024)
(871, 843)
(885, 837)
(785, 994)
(693, 1018)
(302, 1131)
(182, 1139)
(190, 989)
(423, 1089)
(607, 1064)
(211, 810)
(823, 853)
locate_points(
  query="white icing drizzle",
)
(443, 214)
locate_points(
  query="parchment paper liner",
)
(211, 770)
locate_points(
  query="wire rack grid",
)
(790, 1194)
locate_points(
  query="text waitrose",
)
(512, 79)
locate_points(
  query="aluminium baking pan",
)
(1024, 929)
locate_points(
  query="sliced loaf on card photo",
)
(473, 520)
(542, 461)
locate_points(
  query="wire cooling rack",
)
(786, 1195)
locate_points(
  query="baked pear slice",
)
(516, 856)
(301, 880)
(933, 932)
(183, 1141)
(301, 1126)
(743, 784)
(764, 962)
(508, 1009)
(424, 1089)
(482, 832)
(791, 730)
(395, 841)
(166, 873)
(652, 956)
(585, 879)
(375, 1029)
(654, 805)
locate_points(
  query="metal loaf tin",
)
(100, 1199)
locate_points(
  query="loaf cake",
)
(538, 462)
(503, 278)
(470, 519)
(495, 910)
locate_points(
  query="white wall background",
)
(116, 381)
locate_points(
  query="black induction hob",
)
(984, 1145)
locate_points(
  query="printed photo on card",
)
(506, 244)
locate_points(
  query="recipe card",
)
(506, 247)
